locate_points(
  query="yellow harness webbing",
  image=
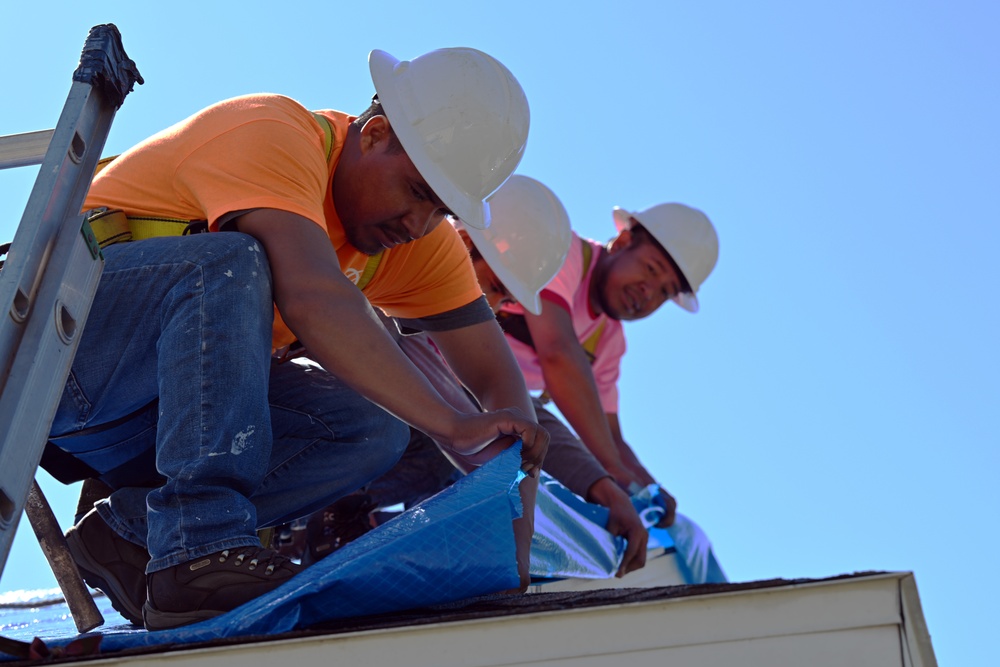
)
(590, 343)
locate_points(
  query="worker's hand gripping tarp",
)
(570, 539)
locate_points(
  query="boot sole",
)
(166, 620)
(97, 576)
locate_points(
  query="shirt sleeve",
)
(477, 312)
(426, 277)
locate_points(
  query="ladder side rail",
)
(49, 280)
(100, 83)
(39, 372)
(53, 209)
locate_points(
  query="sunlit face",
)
(636, 280)
(381, 198)
(496, 294)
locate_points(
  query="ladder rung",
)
(22, 150)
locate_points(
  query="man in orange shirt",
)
(175, 366)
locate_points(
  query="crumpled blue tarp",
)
(570, 539)
(458, 544)
(696, 557)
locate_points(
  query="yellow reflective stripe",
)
(324, 123)
(588, 254)
(147, 228)
(115, 227)
(110, 227)
(370, 267)
(590, 344)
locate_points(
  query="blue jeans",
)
(176, 355)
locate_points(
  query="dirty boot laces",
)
(273, 560)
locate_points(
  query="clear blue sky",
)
(834, 406)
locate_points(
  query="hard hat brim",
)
(687, 301)
(622, 218)
(527, 297)
(472, 211)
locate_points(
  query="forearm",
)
(335, 322)
(505, 388)
(629, 457)
(341, 331)
(481, 358)
(482, 362)
(574, 392)
(603, 492)
(632, 462)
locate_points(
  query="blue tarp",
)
(454, 546)
(458, 544)
(570, 540)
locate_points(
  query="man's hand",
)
(623, 521)
(477, 437)
(483, 362)
(671, 509)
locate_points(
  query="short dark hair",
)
(375, 109)
(642, 235)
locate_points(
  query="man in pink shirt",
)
(571, 351)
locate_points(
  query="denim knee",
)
(236, 278)
(238, 260)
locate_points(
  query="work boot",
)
(336, 525)
(111, 563)
(212, 585)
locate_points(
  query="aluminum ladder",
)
(47, 285)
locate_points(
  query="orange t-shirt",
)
(267, 151)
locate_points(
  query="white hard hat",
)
(528, 240)
(462, 119)
(688, 237)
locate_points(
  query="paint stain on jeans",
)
(242, 440)
(255, 249)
